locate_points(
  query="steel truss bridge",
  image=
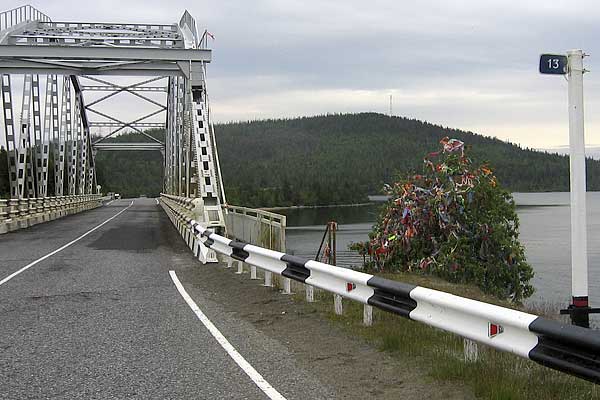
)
(50, 73)
(85, 309)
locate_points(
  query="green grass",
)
(495, 375)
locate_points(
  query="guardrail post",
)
(471, 352)
(310, 293)
(367, 315)
(253, 272)
(240, 269)
(229, 262)
(268, 279)
(337, 304)
(287, 286)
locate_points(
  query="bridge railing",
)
(250, 225)
(20, 14)
(180, 210)
(18, 214)
(259, 227)
(183, 205)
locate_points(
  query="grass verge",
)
(495, 375)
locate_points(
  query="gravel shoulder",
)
(352, 368)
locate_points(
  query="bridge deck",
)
(103, 319)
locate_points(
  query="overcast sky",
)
(465, 64)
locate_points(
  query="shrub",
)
(454, 221)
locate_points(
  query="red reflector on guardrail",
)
(494, 330)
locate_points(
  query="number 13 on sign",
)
(554, 64)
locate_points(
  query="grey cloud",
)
(470, 63)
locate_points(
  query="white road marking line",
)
(8, 278)
(233, 353)
(110, 202)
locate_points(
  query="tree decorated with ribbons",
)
(453, 221)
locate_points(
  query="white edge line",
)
(233, 353)
(8, 278)
(109, 202)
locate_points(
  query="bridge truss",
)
(61, 66)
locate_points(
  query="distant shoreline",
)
(318, 206)
(520, 200)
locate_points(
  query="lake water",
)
(545, 233)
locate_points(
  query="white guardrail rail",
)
(18, 214)
(566, 348)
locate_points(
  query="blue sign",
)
(553, 64)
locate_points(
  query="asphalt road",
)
(103, 319)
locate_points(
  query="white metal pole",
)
(579, 277)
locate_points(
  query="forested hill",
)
(329, 159)
(342, 158)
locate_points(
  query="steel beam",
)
(59, 142)
(98, 53)
(104, 124)
(144, 69)
(128, 146)
(51, 96)
(106, 88)
(24, 165)
(11, 139)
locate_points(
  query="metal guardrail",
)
(20, 14)
(567, 348)
(259, 227)
(18, 214)
(180, 210)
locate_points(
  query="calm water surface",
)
(545, 233)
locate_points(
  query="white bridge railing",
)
(18, 214)
(566, 348)
(259, 227)
(21, 14)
